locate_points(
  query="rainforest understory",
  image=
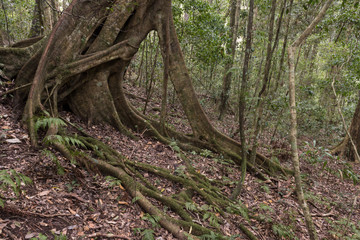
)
(81, 66)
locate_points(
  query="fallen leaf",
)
(43, 193)
(123, 203)
(13, 140)
(71, 211)
(30, 235)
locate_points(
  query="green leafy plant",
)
(212, 218)
(39, 237)
(266, 207)
(10, 179)
(46, 122)
(345, 229)
(180, 171)
(190, 206)
(60, 237)
(206, 153)
(135, 199)
(72, 185)
(283, 231)
(210, 214)
(239, 209)
(175, 147)
(265, 188)
(67, 140)
(210, 236)
(154, 220)
(52, 156)
(347, 172)
(113, 181)
(146, 234)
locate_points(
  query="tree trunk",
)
(82, 63)
(242, 100)
(234, 25)
(293, 132)
(346, 147)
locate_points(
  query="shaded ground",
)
(85, 205)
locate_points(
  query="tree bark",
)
(83, 61)
(234, 25)
(242, 100)
(293, 132)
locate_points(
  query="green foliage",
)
(319, 155)
(175, 147)
(190, 206)
(206, 153)
(52, 156)
(146, 234)
(266, 207)
(180, 171)
(19, 24)
(44, 237)
(315, 154)
(210, 214)
(10, 179)
(239, 209)
(200, 25)
(66, 140)
(283, 231)
(154, 220)
(265, 188)
(347, 172)
(46, 122)
(39, 237)
(345, 229)
(210, 236)
(135, 199)
(72, 185)
(212, 218)
(113, 181)
(60, 237)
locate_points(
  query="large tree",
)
(83, 61)
(81, 64)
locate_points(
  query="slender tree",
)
(242, 99)
(231, 48)
(293, 132)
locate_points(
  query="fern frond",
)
(47, 122)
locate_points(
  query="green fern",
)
(45, 123)
(12, 179)
(190, 206)
(66, 140)
(52, 156)
(148, 234)
(154, 220)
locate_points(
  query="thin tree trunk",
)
(262, 94)
(293, 132)
(278, 78)
(242, 100)
(234, 25)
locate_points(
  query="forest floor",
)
(84, 204)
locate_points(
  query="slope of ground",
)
(81, 204)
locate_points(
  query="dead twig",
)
(15, 89)
(107, 236)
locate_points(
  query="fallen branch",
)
(15, 89)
